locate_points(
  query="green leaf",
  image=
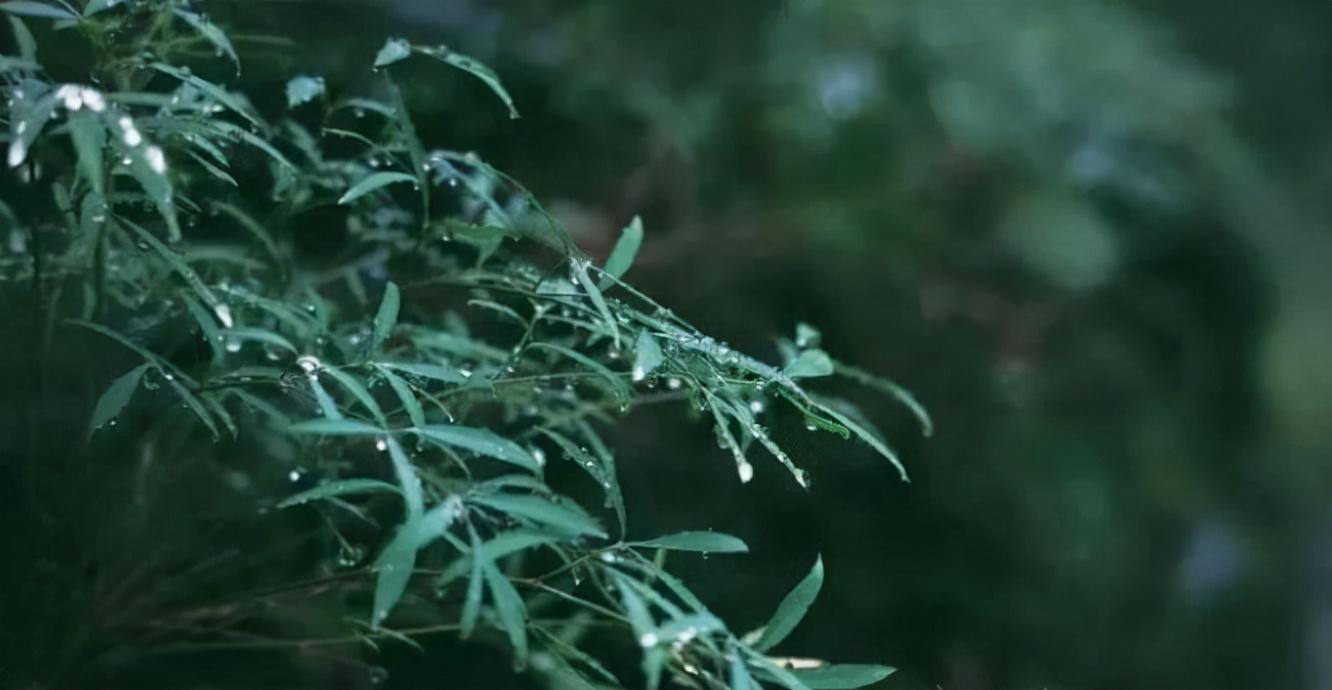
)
(702, 542)
(566, 519)
(27, 116)
(342, 487)
(372, 182)
(473, 67)
(893, 389)
(479, 441)
(792, 609)
(807, 336)
(412, 495)
(303, 89)
(394, 50)
(387, 316)
(509, 609)
(405, 395)
(843, 676)
(810, 364)
(335, 427)
(395, 565)
(89, 138)
(217, 93)
(429, 371)
(210, 31)
(36, 9)
(778, 674)
(472, 599)
(116, 397)
(27, 45)
(740, 678)
(600, 468)
(258, 335)
(182, 269)
(868, 437)
(194, 404)
(647, 355)
(622, 256)
(614, 382)
(579, 267)
(352, 385)
(95, 6)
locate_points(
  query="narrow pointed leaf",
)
(479, 441)
(475, 68)
(303, 89)
(702, 542)
(342, 487)
(335, 427)
(792, 609)
(598, 300)
(372, 182)
(27, 8)
(566, 519)
(622, 256)
(843, 676)
(647, 355)
(387, 316)
(89, 138)
(810, 364)
(116, 397)
(509, 610)
(212, 33)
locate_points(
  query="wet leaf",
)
(622, 256)
(116, 397)
(702, 542)
(479, 441)
(372, 182)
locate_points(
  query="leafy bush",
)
(402, 334)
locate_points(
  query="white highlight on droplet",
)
(156, 159)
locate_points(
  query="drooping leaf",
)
(342, 487)
(509, 610)
(429, 371)
(405, 395)
(564, 518)
(387, 316)
(116, 397)
(622, 256)
(372, 182)
(479, 441)
(228, 100)
(792, 610)
(212, 33)
(95, 6)
(702, 542)
(842, 676)
(473, 67)
(867, 436)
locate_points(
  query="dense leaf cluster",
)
(416, 367)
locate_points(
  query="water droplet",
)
(381, 444)
(648, 640)
(294, 475)
(674, 383)
(639, 373)
(746, 472)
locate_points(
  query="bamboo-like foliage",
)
(457, 344)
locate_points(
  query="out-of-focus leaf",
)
(27, 8)
(89, 138)
(303, 89)
(810, 364)
(509, 610)
(372, 182)
(394, 50)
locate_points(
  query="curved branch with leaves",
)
(414, 375)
